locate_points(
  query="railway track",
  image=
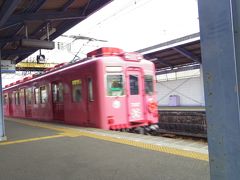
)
(177, 124)
(183, 123)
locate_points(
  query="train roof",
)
(93, 55)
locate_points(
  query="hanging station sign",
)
(7, 66)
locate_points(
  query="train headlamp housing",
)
(132, 56)
(110, 51)
(105, 51)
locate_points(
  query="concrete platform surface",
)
(39, 153)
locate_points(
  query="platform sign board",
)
(7, 66)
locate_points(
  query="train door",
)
(23, 102)
(135, 94)
(6, 101)
(28, 102)
(11, 97)
(58, 101)
(90, 99)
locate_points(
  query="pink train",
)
(110, 89)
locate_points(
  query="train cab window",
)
(148, 82)
(115, 85)
(90, 89)
(43, 95)
(134, 87)
(29, 96)
(36, 96)
(77, 90)
(17, 98)
(57, 92)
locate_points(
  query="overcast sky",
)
(136, 24)
(130, 25)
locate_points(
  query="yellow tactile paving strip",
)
(70, 132)
(30, 139)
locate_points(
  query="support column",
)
(220, 43)
(202, 85)
(2, 126)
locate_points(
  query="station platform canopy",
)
(25, 25)
(176, 55)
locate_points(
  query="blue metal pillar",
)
(220, 43)
(202, 85)
(2, 126)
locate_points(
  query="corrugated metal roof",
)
(181, 53)
(36, 15)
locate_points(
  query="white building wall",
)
(189, 90)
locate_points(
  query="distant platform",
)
(181, 108)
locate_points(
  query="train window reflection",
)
(134, 89)
(115, 85)
(148, 81)
(77, 90)
(43, 95)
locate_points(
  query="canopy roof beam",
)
(42, 16)
(187, 54)
(7, 9)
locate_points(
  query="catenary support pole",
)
(2, 126)
(220, 44)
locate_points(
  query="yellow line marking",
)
(37, 124)
(30, 139)
(69, 132)
(169, 150)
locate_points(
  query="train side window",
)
(77, 90)
(115, 85)
(43, 95)
(57, 91)
(36, 96)
(22, 92)
(5, 99)
(9, 99)
(60, 92)
(29, 96)
(17, 98)
(90, 89)
(134, 89)
(148, 82)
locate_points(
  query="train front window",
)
(148, 81)
(134, 87)
(115, 85)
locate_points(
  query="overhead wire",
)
(129, 7)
